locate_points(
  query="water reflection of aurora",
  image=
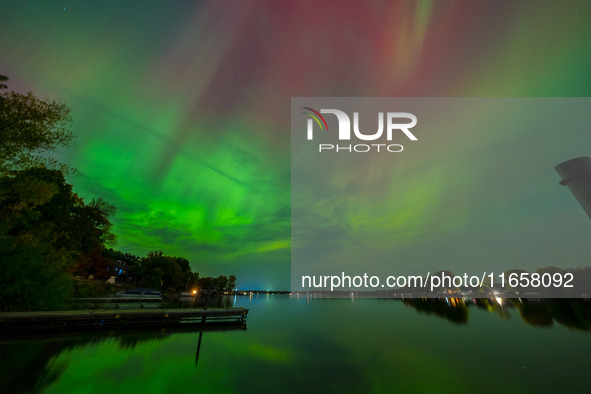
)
(426, 344)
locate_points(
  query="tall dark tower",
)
(576, 174)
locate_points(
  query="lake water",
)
(327, 346)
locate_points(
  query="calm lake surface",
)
(340, 346)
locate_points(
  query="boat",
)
(139, 294)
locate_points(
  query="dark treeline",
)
(156, 271)
(48, 234)
(571, 313)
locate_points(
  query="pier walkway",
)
(26, 323)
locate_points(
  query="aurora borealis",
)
(182, 110)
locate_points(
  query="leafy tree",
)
(231, 283)
(33, 268)
(30, 128)
(220, 283)
(128, 258)
(96, 216)
(79, 228)
(129, 263)
(153, 279)
(184, 264)
(173, 275)
(205, 283)
(193, 280)
(46, 230)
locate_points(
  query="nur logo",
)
(395, 121)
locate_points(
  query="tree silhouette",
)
(30, 128)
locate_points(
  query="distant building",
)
(576, 175)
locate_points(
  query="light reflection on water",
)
(329, 345)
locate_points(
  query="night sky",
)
(182, 109)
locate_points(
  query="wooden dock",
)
(27, 323)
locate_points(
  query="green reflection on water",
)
(329, 346)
